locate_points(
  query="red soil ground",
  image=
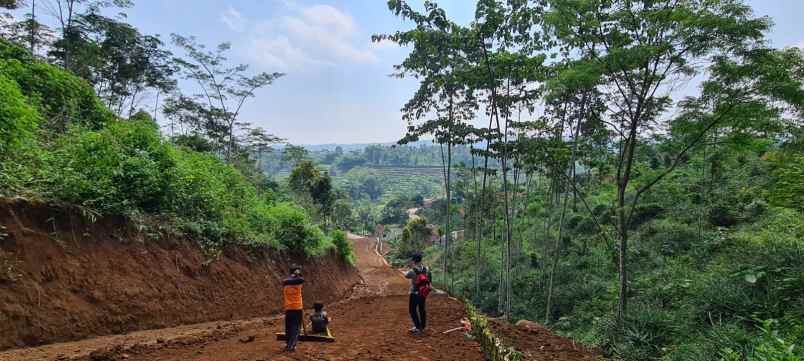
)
(540, 344)
(370, 325)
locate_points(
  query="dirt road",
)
(372, 325)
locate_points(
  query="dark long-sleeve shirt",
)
(413, 273)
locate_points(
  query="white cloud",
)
(320, 35)
(328, 17)
(234, 20)
(277, 53)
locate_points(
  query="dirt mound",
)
(63, 278)
(541, 344)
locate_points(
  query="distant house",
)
(457, 236)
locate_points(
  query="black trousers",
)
(418, 311)
(293, 320)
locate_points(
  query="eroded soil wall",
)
(63, 278)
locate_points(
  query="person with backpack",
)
(294, 306)
(420, 287)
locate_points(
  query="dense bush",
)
(17, 119)
(343, 246)
(295, 232)
(60, 97)
(787, 172)
(124, 166)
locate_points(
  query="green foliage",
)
(770, 346)
(787, 188)
(312, 188)
(84, 156)
(126, 168)
(413, 239)
(11, 51)
(295, 232)
(343, 246)
(18, 120)
(382, 185)
(395, 211)
(61, 98)
(121, 167)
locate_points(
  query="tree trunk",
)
(33, 28)
(554, 266)
(622, 216)
(476, 213)
(448, 238)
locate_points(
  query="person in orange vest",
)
(294, 306)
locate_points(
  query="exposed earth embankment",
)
(64, 278)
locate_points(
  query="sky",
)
(337, 88)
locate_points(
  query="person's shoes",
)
(413, 330)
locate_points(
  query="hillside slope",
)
(63, 278)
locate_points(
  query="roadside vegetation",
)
(73, 132)
(651, 225)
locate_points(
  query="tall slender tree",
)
(223, 88)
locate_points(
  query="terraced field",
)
(397, 181)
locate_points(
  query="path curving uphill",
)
(370, 325)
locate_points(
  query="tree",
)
(258, 142)
(73, 39)
(303, 176)
(636, 48)
(293, 154)
(9, 4)
(443, 100)
(371, 187)
(120, 62)
(29, 32)
(342, 216)
(224, 89)
(415, 233)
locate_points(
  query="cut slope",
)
(62, 278)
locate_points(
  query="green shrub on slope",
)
(343, 246)
(86, 157)
(61, 97)
(296, 232)
(17, 119)
(122, 167)
(787, 188)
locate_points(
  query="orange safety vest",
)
(293, 297)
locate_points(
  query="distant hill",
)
(347, 147)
